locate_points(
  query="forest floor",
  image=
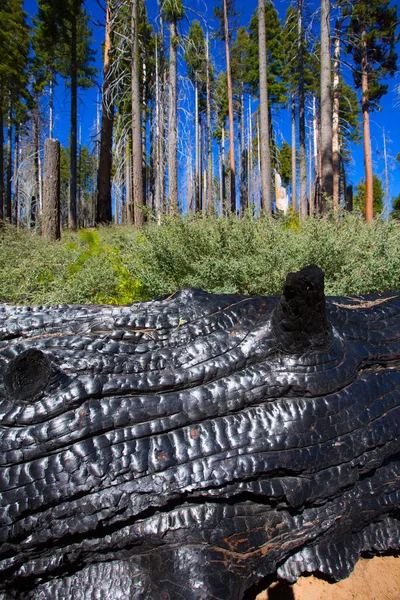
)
(372, 579)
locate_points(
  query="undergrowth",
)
(119, 265)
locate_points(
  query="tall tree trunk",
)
(15, 217)
(326, 106)
(230, 112)
(222, 175)
(172, 123)
(250, 203)
(197, 149)
(386, 177)
(73, 222)
(36, 198)
(1, 163)
(210, 203)
(51, 196)
(104, 202)
(294, 153)
(51, 107)
(335, 121)
(8, 210)
(302, 127)
(242, 163)
(369, 197)
(137, 158)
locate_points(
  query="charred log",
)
(189, 446)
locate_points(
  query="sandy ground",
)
(372, 579)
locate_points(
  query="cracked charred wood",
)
(189, 446)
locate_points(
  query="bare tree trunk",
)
(51, 108)
(172, 123)
(222, 175)
(128, 182)
(335, 122)
(1, 164)
(264, 115)
(302, 128)
(51, 196)
(369, 196)
(386, 178)
(250, 203)
(230, 112)
(73, 221)
(36, 142)
(197, 150)
(210, 203)
(137, 159)
(326, 106)
(16, 179)
(8, 210)
(294, 153)
(242, 154)
(104, 203)
(157, 164)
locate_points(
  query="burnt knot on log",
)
(299, 320)
(189, 446)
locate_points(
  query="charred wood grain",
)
(189, 446)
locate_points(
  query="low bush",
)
(119, 265)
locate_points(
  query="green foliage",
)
(372, 37)
(378, 195)
(118, 265)
(395, 214)
(15, 45)
(285, 163)
(173, 10)
(275, 55)
(52, 40)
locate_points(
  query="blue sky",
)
(388, 119)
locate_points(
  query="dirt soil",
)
(372, 579)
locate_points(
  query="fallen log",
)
(189, 446)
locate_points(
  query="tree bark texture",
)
(8, 209)
(172, 123)
(326, 107)
(335, 120)
(302, 127)
(369, 195)
(137, 154)
(187, 447)
(104, 201)
(51, 192)
(210, 203)
(230, 113)
(294, 150)
(264, 113)
(73, 214)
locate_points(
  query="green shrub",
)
(120, 265)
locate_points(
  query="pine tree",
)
(196, 66)
(371, 39)
(103, 204)
(64, 25)
(15, 44)
(224, 14)
(173, 12)
(326, 107)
